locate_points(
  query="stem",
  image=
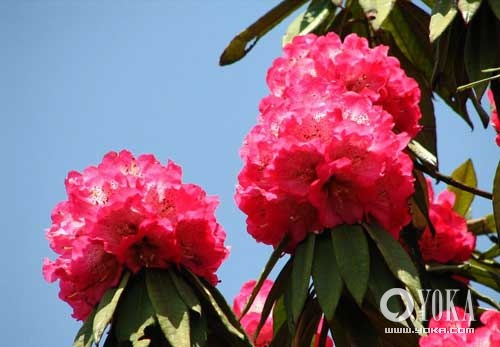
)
(447, 268)
(452, 182)
(271, 262)
(484, 298)
(475, 83)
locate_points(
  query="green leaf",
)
(277, 290)
(186, 293)
(171, 311)
(479, 55)
(221, 320)
(408, 25)
(465, 174)
(468, 8)
(134, 312)
(482, 226)
(326, 276)
(107, 307)
(317, 13)
(85, 336)
(381, 280)
(237, 48)
(377, 10)
(396, 258)
(443, 13)
(492, 252)
(353, 258)
(279, 314)
(299, 281)
(495, 7)
(496, 200)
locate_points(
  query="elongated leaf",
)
(277, 291)
(134, 312)
(468, 8)
(465, 174)
(377, 10)
(326, 276)
(279, 314)
(237, 48)
(443, 13)
(107, 307)
(482, 226)
(307, 22)
(221, 320)
(353, 258)
(396, 258)
(186, 293)
(299, 280)
(85, 336)
(495, 7)
(496, 200)
(492, 252)
(381, 280)
(481, 37)
(171, 311)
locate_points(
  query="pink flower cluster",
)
(495, 121)
(452, 241)
(129, 213)
(328, 146)
(252, 318)
(487, 335)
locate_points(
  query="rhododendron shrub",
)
(328, 145)
(452, 242)
(127, 214)
(487, 335)
(251, 319)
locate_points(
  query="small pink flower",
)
(452, 241)
(252, 318)
(495, 121)
(487, 335)
(127, 214)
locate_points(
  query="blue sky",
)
(82, 77)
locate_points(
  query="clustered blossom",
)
(328, 146)
(495, 121)
(251, 319)
(129, 213)
(452, 242)
(487, 335)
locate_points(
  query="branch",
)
(452, 182)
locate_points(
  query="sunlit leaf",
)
(85, 336)
(398, 261)
(468, 8)
(239, 46)
(482, 226)
(377, 10)
(171, 311)
(107, 307)
(443, 13)
(353, 258)
(307, 22)
(465, 174)
(134, 312)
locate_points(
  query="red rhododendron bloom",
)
(252, 318)
(329, 64)
(328, 146)
(487, 335)
(495, 121)
(452, 241)
(129, 213)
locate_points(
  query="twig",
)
(452, 182)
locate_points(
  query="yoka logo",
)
(440, 304)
